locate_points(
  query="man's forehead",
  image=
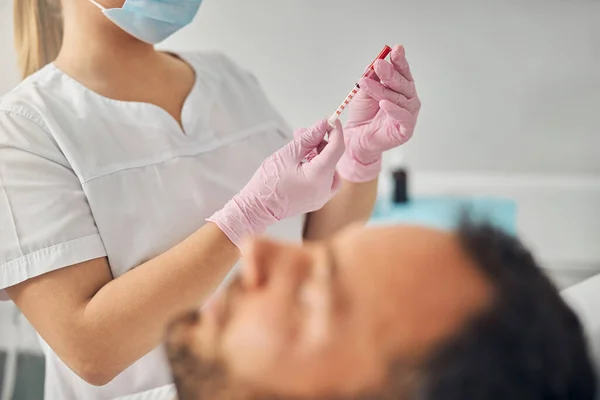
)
(391, 233)
(416, 283)
(390, 246)
(409, 254)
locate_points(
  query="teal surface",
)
(445, 212)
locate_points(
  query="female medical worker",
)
(114, 156)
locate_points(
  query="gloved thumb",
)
(309, 139)
(333, 151)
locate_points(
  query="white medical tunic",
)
(83, 176)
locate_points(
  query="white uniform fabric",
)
(162, 393)
(584, 299)
(83, 176)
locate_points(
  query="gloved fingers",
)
(315, 134)
(308, 139)
(337, 183)
(360, 97)
(321, 147)
(299, 132)
(363, 104)
(379, 92)
(393, 79)
(396, 112)
(314, 152)
(400, 62)
(371, 74)
(414, 106)
(331, 154)
(402, 121)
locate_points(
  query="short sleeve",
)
(261, 94)
(247, 78)
(45, 220)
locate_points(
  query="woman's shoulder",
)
(213, 60)
(218, 66)
(30, 97)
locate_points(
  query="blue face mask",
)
(152, 21)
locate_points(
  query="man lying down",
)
(385, 313)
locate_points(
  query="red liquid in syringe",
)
(384, 53)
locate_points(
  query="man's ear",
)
(260, 254)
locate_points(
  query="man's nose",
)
(279, 269)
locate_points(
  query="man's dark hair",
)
(527, 345)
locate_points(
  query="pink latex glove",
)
(288, 183)
(381, 117)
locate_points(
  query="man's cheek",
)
(254, 344)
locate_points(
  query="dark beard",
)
(195, 378)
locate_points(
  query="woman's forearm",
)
(99, 326)
(133, 310)
(352, 204)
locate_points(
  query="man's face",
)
(329, 318)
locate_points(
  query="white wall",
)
(507, 85)
(510, 90)
(8, 65)
(558, 215)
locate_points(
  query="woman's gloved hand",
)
(288, 183)
(381, 117)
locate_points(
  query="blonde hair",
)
(38, 28)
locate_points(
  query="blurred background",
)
(511, 109)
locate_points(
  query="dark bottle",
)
(400, 194)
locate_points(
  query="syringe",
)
(384, 53)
